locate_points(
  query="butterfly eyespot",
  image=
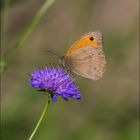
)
(91, 38)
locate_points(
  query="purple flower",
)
(56, 81)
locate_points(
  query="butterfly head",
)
(64, 62)
(61, 61)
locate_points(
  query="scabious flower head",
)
(56, 81)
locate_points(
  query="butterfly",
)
(86, 57)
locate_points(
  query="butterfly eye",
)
(91, 38)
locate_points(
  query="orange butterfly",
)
(85, 57)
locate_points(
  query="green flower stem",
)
(40, 119)
(25, 34)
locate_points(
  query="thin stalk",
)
(40, 120)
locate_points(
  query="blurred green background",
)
(109, 107)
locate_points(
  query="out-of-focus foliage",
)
(109, 107)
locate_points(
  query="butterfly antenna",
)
(48, 51)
